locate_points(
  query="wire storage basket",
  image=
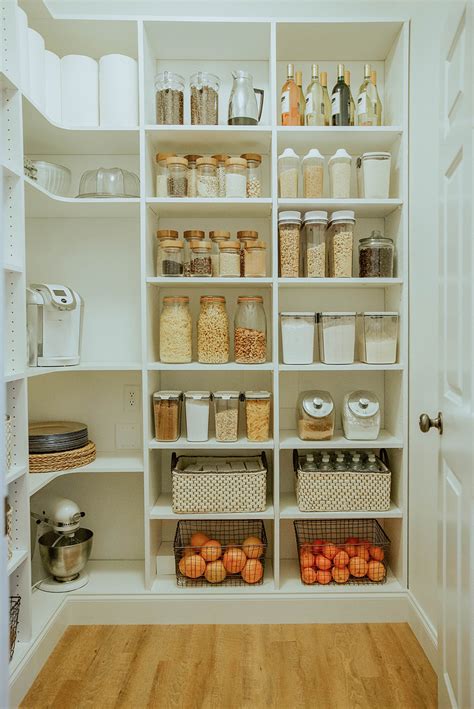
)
(342, 551)
(15, 602)
(220, 552)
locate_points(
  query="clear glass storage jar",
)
(162, 174)
(229, 259)
(213, 331)
(254, 174)
(236, 178)
(373, 175)
(190, 235)
(167, 414)
(207, 185)
(257, 415)
(245, 237)
(339, 166)
(204, 89)
(226, 415)
(171, 260)
(177, 177)
(169, 95)
(340, 244)
(288, 166)
(297, 337)
(315, 226)
(336, 337)
(197, 415)
(161, 236)
(289, 225)
(192, 175)
(361, 416)
(315, 416)
(255, 259)
(379, 337)
(250, 330)
(313, 171)
(221, 160)
(376, 254)
(217, 238)
(201, 264)
(175, 330)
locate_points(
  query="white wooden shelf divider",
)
(162, 509)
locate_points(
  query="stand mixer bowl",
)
(65, 557)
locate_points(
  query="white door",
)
(456, 375)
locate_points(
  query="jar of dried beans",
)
(217, 238)
(315, 225)
(315, 416)
(255, 259)
(254, 174)
(250, 330)
(257, 415)
(288, 165)
(236, 178)
(171, 258)
(339, 166)
(221, 160)
(376, 256)
(169, 91)
(163, 235)
(207, 185)
(213, 331)
(192, 174)
(226, 415)
(289, 224)
(245, 237)
(190, 235)
(175, 330)
(313, 168)
(340, 244)
(229, 259)
(167, 407)
(177, 177)
(204, 98)
(162, 174)
(201, 265)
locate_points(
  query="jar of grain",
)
(378, 338)
(245, 237)
(169, 93)
(315, 226)
(376, 256)
(255, 259)
(315, 416)
(201, 265)
(254, 174)
(213, 331)
(192, 174)
(226, 413)
(175, 330)
(336, 337)
(207, 178)
(204, 89)
(229, 259)
(340, 174)
(288, 165)
(167, 414)
(361, 416)
(221, 161)
(171, 258)
(177, 177)
(257, 415)
(197, 415)
(217, 238)
(340, 244)
(250, 330)
(163, 235)
(236, 178)
(313, 169)
(162, 174)
(190, 235)
(289, 224)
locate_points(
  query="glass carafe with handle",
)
(243, 107)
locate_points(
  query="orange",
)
(340, 575)
(252, 571)
(234, 560)
(187, 551)
(375, 570)
(215, 572)
(192, 566)
(323, 563)
(323, 577)
(198, 539)
(306, 560)
(377, 553)
(253, 547)
(352, 540)
(306, 547)
(358, 566)
(341, 559)
(308, 576)
(318, 546)
(211, 550)
(351, 550)
(330, 550)
(363, 552)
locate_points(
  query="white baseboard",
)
(424, 630)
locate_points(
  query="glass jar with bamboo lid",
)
(162, 235)
(171, 258)
(236, 178)
(254, 174)
(201, 259)
(207, 177)
(221, 160)
(192, 174)
(245, 237)
(177, 177)
(175, 330)
(229, 259)
(213, 344)
(162, 173)
(255, 259)
(190, 235)
(217, 238)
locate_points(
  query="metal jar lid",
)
(363, 403)
(317, 404)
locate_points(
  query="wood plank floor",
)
(236, 667)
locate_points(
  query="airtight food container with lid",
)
(361, 416)
(226, 415)
(167, 414)
(378, 338)
(197, 415)
(297, 337)
(337, 337)
(315, 416)
(339, 166)
(373, 175)
(109, 182)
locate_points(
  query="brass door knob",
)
(426, 423)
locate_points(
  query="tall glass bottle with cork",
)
(301, 99)
(290, 114)
(347, 79)
(314, 109)
(326, 99)
(378, 102)
(366, 101)
(340, 100)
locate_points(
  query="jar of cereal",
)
(289, 224)
(250, 330)
(175, 330)
(213, 331)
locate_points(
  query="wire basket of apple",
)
(220, 552)
(342, 551)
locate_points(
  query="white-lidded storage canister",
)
(315, 226)
(336, 337)
(297, 336)
(197, 415)
(226, 415)
(313, 171)
(361, 416)
(373, 175)
(288, 168)
(379, 337)
(339, 166)
(289, 225)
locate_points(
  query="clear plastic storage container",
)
(161, 236)
(340, 244)
(340, 174)
(169, 95)
(379, 337)
(376, 254)
(171, 259)
(175, 330)
(201, 264)
(229, 259)
(217, 238)
(226, 415)
(197, 415)
(167, 414)
(192, 174)
(315, 226)
(257, 415)
(254, 174)
(361, 416)
(289, 225)
(250, 330)
(297, 337)
(236, 178)
(177, 177)
(255, 259)
(207, 185)
(336, 337)
(162, 174)
(313, 171)
(315, 416)
(204, 89)
(288, 167)
(213, 330)
(373, 175)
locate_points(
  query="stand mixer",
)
(65, 549)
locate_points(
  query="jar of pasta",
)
(213, 331)
(257, 415)
(175, 330)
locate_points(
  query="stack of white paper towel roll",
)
(118, 91)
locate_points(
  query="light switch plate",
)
(127, 436)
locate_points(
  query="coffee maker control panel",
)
(60, 296)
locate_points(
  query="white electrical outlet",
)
(131, 397)
(127, 436)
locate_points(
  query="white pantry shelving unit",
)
(106, 251)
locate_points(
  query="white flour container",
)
(297, 336)
(197, 415)
(336, 337)
(373, 175)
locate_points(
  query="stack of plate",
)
(57, 436)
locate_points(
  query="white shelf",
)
(11, 170)
(198, 367)
(356, 367)
(199, 282)
(339, 282)
(162, 509)
(355, 139)
(167, 584)
(13, 376)
(202, 207)
(290, 582)
(122, 577)
(290, 440)
(211, 444)
(12, 268)
(86, 367)
(210, 139)
(289, 510)
(15, 472)
(369, 208)
(41, 204)
(18, 557)
(104, 463)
